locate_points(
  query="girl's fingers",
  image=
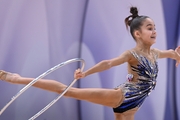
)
(78, 71)
(78, 74)
(178, 49)
(177, 63)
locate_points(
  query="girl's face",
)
(147, 33)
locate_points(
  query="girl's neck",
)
(143, 48)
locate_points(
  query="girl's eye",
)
(150, 29)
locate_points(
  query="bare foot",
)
(9, 77)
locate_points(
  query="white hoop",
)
(41, 76)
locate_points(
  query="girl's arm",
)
(173, 54)
(104, 65)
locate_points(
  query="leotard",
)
(136, 92)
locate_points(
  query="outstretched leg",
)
(107, 97)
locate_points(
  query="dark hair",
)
(134, 21)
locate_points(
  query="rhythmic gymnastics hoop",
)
(41, 76)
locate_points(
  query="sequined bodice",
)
(146, 70)
(136, 92)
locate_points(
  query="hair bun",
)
(129, 19)
(134, 11)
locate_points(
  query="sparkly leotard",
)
(136, 92)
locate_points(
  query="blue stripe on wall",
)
(171, 13)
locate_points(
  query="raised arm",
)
(173, 54)
(104, 65)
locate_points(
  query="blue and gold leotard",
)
(136, 92)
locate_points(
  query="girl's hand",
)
(78, 74)
(177, 50)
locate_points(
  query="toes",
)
(2, 75)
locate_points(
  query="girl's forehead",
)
(148, 21)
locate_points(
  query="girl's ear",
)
(137, 34)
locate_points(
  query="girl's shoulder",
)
(132, 55)
(155, 52)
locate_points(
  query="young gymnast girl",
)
(142, 72)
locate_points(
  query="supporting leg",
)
(128, 115)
